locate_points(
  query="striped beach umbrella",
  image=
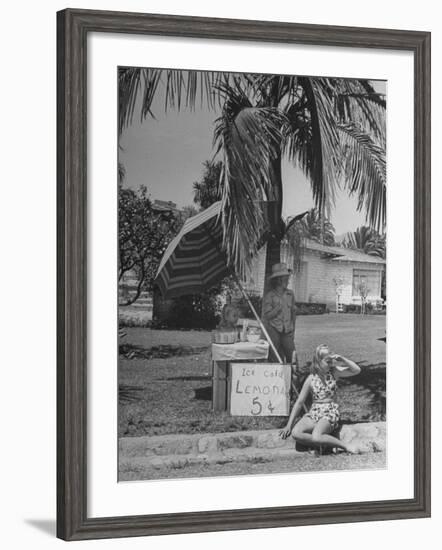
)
(194, 261)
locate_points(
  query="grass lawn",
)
(165, 376)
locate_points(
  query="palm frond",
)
(182, 88)
(357, 103)
(150, 79)
(372, 95)
(365, 172)
(274, 90)
(129, 83)
(319, 158)
(248, 137)
(367, 240)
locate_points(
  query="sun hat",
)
(280, 270)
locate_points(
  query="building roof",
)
(164, 206)
(338, 253)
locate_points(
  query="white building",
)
(323, 268)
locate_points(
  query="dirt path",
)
(309, 463)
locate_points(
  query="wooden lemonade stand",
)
(223, 354)
(243, 383)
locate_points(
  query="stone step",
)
(201, 447)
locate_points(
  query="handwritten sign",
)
(260, 389)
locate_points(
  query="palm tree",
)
(327, 127)
(333, 129)
(308, 225)
(367, 240)
(371, 242)
(313, 225)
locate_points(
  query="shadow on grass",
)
(129, 394)
(373, 380)
(185, 378)
(364, 394)
(204, 394)
(131, 351)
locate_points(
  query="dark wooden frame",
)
(72, 29)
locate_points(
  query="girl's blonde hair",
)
(317, 358)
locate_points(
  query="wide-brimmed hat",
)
(280, 270)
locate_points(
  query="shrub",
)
(310, 308)
(352, 308)
(244, 307)
(199, 311)
(302, 308)
(369, 309)
(130, 322)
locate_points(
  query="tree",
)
(315, 226)
(187, 212)
(333, 129)
(308, 225)
(367, 240)
(363, 291)
(208, 190)
(143, 235)
(370, 242)
(322, 125)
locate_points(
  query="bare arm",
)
(350, 369)
(296, 407)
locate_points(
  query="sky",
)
(166, 154)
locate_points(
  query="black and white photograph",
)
(252, 273)
(218, 294)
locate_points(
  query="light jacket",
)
(279, 310)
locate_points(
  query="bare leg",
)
(321, 435)
(302, 432)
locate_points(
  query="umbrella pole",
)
(266, 334)
(257, 317)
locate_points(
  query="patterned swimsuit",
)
(324, 390)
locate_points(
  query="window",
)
(368, 277)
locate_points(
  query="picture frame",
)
(73, 27)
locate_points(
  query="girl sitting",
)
(315, 427)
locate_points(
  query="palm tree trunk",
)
(274, 214)
(273, 255)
